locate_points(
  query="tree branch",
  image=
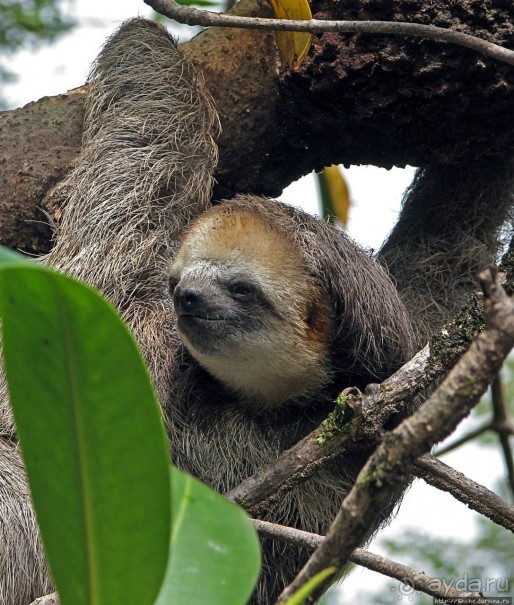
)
(368, 413)
(363, 418)
(388, 467)
(377, 404)
(464, 439)
(472, 494)
(406, 575)
(502, 424)
(193, 16)
(357, 99)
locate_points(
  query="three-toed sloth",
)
(252, 315)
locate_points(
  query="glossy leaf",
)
(91, 436)
(215, 553)
(292, 46)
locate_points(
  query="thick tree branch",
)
(357, 419)
(414, 578)
(382, 100)
(193, 16)
(467, 491)
(388, 467)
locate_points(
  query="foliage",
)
(483, 562)
(29, 23)
(82, 395)
(214, 546)
(292, 46)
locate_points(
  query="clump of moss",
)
(455, 337)
(339, 420)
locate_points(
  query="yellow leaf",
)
(335, 196)
(292, 46)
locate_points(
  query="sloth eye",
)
(242, 291)
(172, 284)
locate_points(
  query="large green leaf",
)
(215, 553)
(91, 436)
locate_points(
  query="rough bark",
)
(38, 145)
(383, 100)
(392, 100)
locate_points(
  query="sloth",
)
(262, 306)
(275, 311)
(251, 314)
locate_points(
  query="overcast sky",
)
(375, 193)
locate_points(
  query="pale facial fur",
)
(257, 326)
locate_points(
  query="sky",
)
(376, 196)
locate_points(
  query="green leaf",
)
(306, 590)
(215, 553)
(197, 3)
(9, 256)
(91, 436)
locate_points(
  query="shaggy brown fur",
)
(450, 228)
(143, 174)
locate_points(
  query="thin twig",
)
(406, 575)
(502, 424)
(194, 16)
(389, 466)
(472, 494)
(464, 439)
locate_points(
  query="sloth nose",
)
(187, 299)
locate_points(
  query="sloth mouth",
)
(192, 324)
(203, 333)
(199, 318)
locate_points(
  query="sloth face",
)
(247, 310)
(217, 307)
